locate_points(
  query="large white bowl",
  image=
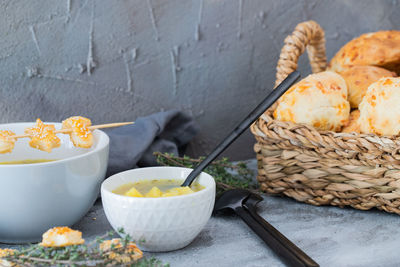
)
(159, 224)
(36, 197)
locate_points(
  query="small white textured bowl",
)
(36, 197)
(163, 224)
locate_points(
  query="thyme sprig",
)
(226, 174)
(80, 255)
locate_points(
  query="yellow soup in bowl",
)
(157, 188)
(26, 161)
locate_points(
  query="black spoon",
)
(237, 200)
(244, 125)
(251, 206)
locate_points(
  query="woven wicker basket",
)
(324, 167)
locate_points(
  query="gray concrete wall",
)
(117, 60)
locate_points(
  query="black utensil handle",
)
(257, 112)
(285, 253)
(295, 250)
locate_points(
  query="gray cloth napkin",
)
(133, 145)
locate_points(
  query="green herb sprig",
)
(78, 255)
(226, 174)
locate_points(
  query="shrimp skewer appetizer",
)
(81, 136)
(6, 143)
(43, 136)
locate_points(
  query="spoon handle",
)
(292, 248)
(257, 112)
(285, 253)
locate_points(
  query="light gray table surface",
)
(332, 236)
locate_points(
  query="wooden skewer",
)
(94, 127)
(100, 126)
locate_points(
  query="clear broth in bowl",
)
(164, 188)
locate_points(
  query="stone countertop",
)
(332, 236)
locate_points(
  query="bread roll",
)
(353, 126)
(358, 78)
(380, 109)
(319, 100)
(377, 49)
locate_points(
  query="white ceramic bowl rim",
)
(202, 191)
(103, 142)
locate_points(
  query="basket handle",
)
(308, 35)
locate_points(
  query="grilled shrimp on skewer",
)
(43, 136)
(81, 135)
(6, 143)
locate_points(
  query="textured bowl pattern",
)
(159, 224)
